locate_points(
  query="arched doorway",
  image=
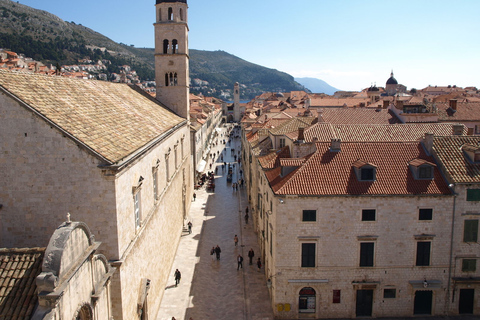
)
(307, 300)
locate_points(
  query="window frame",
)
(366, 212)
(473, 195)
(308, 259)
(308, 213)
(367, 254)
(392, 293)
(422, 258)
(469, 265)
(470, 230)
(371, 173)
(425, 215)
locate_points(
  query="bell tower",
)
(172, 73)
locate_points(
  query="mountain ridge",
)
(46, 37)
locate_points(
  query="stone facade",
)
(75, 281)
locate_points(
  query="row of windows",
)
(170, 48)
(170, 16)
(137, 190)
(367, 215)
(367, 255)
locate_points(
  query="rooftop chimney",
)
(457, 129)
(386, 103)
(320, 118)
(453, 104)
(301, 136)
(428, 142)
(335, 145)
(399, 104)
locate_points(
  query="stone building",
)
(108, 154)
(356, 219)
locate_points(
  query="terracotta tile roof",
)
(358, 116)
(338, 102)
(292, 162)
(263, 147)
(466, 111)
(332, 173)
(112, 119)
(376, 133)
(18, 271)
(292, 125)
(455, 161)
(272, 159)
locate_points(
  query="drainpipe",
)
(447, 304)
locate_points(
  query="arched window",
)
(171, 79)
(174, 46)
(307, 300)
(165, 46)
(166, 80)
(85, 313)
(175, 79)
(181, 14)
(170, 14)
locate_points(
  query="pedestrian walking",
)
(217, 252)
(235, 239)
(251, 254)
(246, 218)
(194, 196)
(189, 224)
(177, 276)
(259, 264)
(239, 262)
(212, 253)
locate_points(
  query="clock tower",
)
(172, 73)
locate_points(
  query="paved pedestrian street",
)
(210, 288)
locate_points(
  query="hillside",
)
(47, 38)
(317, 85)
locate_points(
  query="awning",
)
(201, 166)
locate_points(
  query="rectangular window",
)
(366, 254)
(308, 255)
(469, 265)
(473, 194)
(425, 172)
(389, 293)
(425, 214)
(155, 185)
(368, 174)
(470, 231)
(368, 214)
(423, 253)
(282, 142)
(336, 296)
(309, 215)
(137, 208)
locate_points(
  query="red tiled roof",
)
(376, 133)
(18, 271)
(272, 159)
(466, 111)
(331, 173)
(358, 116)
(455, 161)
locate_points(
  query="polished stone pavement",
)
(210, 288)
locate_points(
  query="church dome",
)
(392, 80)
(167, 1)
(373, 89)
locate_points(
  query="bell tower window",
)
(170, 14)
(166, 80)
(165, 46)
(181, 14)
(174, 46)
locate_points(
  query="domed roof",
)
(166, 1)
(392, 80)
(373, 88)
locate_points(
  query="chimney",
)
(453, 104)
(301, 136)
(428, 142)
(335, 145)
(457, 129)
(399, 105)
(320, 118)
(386, 103)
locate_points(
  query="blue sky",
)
(350, 44)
